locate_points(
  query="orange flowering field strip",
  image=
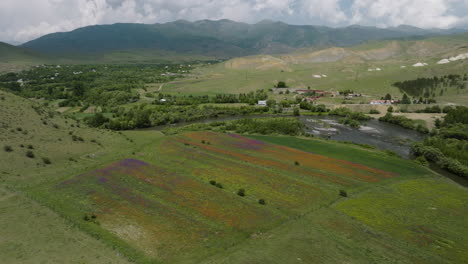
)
(165, 206)
(281, 158)
(166, 212)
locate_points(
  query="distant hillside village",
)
(312, 95)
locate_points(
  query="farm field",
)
(160, 205)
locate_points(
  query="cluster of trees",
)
(435, 109)
(350, 118)
(403, 122)
(76, 85)
(248, 98)
(147, 115)
(426, 87)
(265, 126)
(313, 108)
(448, 144)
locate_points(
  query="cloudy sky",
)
(23, 20)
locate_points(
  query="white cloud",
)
(420, 13)
(22, 20)
(327, 11)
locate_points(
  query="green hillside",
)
(13, 54)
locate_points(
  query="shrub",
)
(296, 163)
(296, 112)
(422, 161)
(30, 147)
(46, 161)
(8, 148)
(203, 142)
(262, 201)
(30, 154)
(390, 109)
(219, 185)
(213, 182)
(241, 192)
(343, 193)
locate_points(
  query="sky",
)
(24, 20)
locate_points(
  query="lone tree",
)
(262, 201)
(241, 192)
(281, 84)
(405, 99)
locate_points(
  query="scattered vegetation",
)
(8, 148)
(30, 154)
(343, 193)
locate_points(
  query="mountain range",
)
(221, 39)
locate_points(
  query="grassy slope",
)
(49, 237)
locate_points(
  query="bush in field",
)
(296, 163)
(30, 154)
(30, 147)
(343, 193)
(46, 161)
(241, 192)
(8, 148)
(262, 201)
(281, 84)
(219, 185)
(296, 112)
(212, 182)
(422, 161)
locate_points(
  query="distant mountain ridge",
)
(222, 38)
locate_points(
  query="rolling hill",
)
(223, 38)
(10, 53)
